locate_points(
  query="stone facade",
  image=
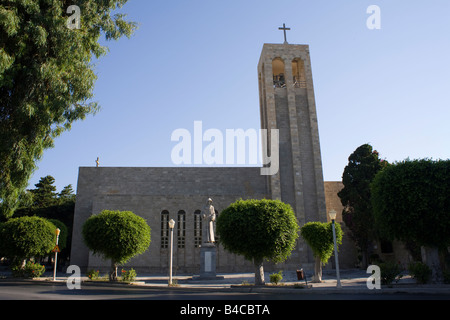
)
(348, 253)
(148, 192)
(157, 194)
(290, 107)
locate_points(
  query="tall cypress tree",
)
(363, 164)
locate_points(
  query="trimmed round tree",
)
(259, 230)
(116, 235)
(26, 237)
(319, 236)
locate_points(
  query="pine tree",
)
(66, 194)
(45, 193)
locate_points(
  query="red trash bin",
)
(300, 274)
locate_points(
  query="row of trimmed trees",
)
(268, 230)
(407, 201)
(257, 229)
(114, 234)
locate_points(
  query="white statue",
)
(209, 217)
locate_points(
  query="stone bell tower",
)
(287, 103)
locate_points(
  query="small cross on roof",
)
(284, 29)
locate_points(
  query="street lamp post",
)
(57, 232)
(333, 214)
(171, 226)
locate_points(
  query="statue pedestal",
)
(208, 253)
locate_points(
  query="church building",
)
(287, 103)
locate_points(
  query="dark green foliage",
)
(27, 237)
(117, 235)
(30, 270)
(363, 165)
(258, 229)
(46, 79)
(45, 202)
(2, 254)
(66, 194)
(411, 202)
(45, 193)
(62, 243)
(276, 277)
(420, 271)
(390, 272)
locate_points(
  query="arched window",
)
(164, 229)
(197, 229)
(181, 229)
(279, 79)
(298, 72)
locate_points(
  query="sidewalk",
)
(354, 281)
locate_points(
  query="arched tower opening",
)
(279, 77)
(298, 72)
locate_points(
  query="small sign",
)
(56, 249)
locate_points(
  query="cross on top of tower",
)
(284, 29)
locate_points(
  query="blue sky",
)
(197, 60)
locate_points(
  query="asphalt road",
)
(11, 290)
(100, 301)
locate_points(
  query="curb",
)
(300, 290)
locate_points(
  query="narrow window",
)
(181, 229)
(197, 229)
(164, 229)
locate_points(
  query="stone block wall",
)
(148, 192)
